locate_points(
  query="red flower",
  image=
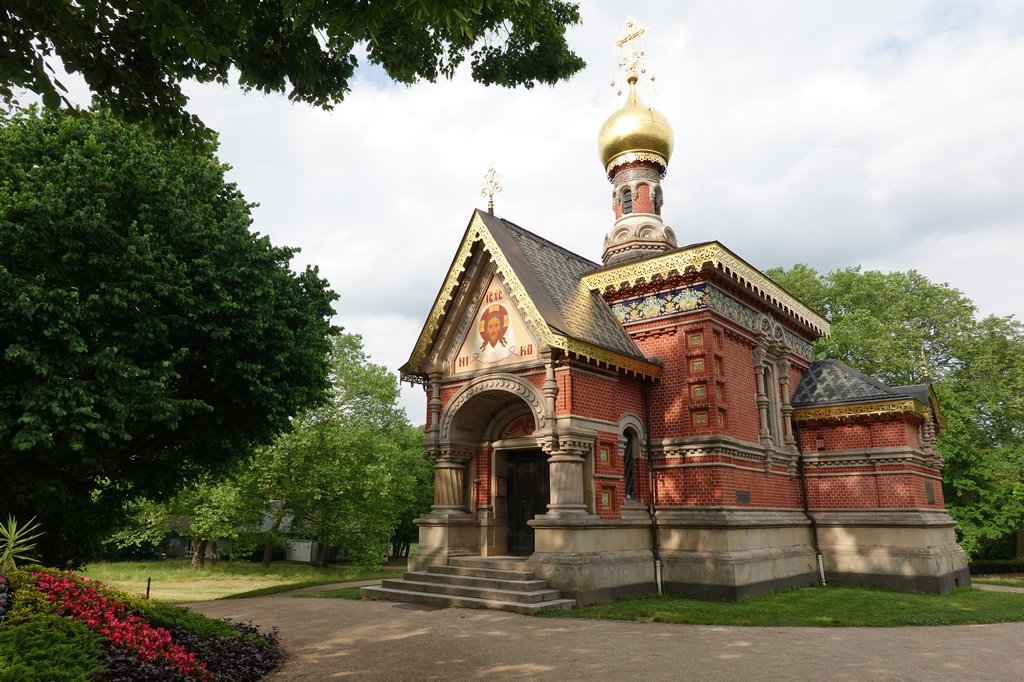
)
(78, 599)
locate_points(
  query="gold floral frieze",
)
(696, 258)
(860, 410)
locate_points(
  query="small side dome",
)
(635, 129)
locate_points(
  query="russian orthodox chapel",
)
(657, 420)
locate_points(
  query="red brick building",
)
(658, 421)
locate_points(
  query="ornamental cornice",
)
(697, 257)
(851, 411)
(868, 458)
(633, 157)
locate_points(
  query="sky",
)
(887, 135)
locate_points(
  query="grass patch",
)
(340, 593)
(817, 607)
(174, 580)
(996, 580)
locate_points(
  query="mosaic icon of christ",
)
(498, 343)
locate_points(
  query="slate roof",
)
(830, 382)
(551, 276)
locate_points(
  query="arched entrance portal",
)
(490, 469)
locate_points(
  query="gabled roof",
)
(831, 389)
(545, 280)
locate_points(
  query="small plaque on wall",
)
(742, 497)
(603, 456)
(606, 498)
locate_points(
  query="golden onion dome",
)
(634, 132)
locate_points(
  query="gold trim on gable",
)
(861, 410)
(678, 262)
(478, 232)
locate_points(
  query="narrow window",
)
(627, 201)
(627, 464)
(658, 200)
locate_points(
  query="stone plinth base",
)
(732, 554)
(442, 536)
(593, 560)
(894, 550)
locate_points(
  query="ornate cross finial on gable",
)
(924, 364)
(633, 60)
(491, 187)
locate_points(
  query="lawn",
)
(174, 580)
(1012, 581)
(818, 607)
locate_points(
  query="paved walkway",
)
(341, 639)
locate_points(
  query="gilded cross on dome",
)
(633, 60)
(492, 186)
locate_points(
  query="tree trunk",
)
(321, 555)
(268, 538)
(198, 554)
(1020, 544)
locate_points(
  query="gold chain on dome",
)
(492, 185)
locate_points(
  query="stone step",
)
(475, 572)
(504, 563)
(475, 581)
(410, 596)
(518, 596)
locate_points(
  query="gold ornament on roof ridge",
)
(492, 185)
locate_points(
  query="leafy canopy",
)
(146, 335)
(134, 55)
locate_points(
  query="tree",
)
(348, 471)
(881, 324)
(147, 336)
(133, 55)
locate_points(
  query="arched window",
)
(774, 416)
(627, 201)
(628, 464)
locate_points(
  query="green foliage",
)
(881, 323)
(167, 616)
(817, 607)
(134, 55)
(29, 603)
(351, 469)
(49, 648)
(148, 335)
(16, 542)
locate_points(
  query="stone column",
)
(789, 438)
(565, 469)
(449, 484)
(762, 395)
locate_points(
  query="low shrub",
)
(49, 648)
(247, 656)
(996, 566)
(170, 617)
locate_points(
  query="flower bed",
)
(133, 637)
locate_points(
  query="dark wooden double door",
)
(527, 497)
